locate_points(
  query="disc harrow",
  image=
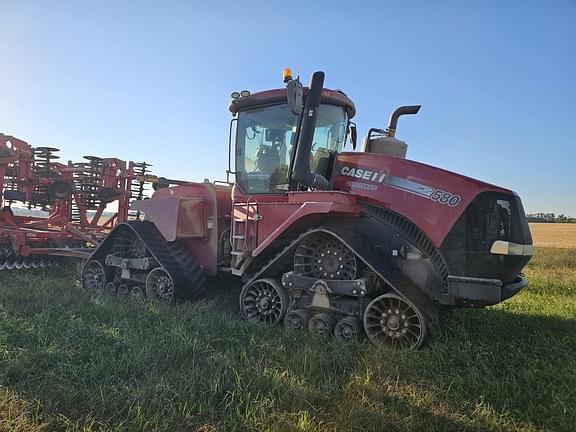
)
(9, 260)
(50, 209)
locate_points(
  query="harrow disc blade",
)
(19, 262)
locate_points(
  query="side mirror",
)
(295, 94)
(353, 135)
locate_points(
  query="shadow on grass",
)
(514, 367)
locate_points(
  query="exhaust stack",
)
(400, 111)
(301, 171)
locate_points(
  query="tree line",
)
(550, 218)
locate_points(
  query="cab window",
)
(265, 141)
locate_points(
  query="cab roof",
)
(271, 97)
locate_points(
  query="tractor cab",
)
(268, 132)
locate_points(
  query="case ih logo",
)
(432, 193)
(359, 173)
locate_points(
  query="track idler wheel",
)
(348, 329)
(322, 324)
(394, 321)
(94, 276)
(264, 300)
(297, 319)
(160, 286)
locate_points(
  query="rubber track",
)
(363, 249)
(188, 276)
(411, 232)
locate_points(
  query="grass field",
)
(71, 361)
(554, 235)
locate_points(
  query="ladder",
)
(243, 235)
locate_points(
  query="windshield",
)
(265, 140)
(329, 135)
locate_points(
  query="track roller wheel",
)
(160, 286)
(110, 288)
(394, 321)
(297, 319)
(123, 290)
(264, 300)
(347, 329)
(321, 324)
(94, 276)
(138, 292)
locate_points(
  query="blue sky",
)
(151, 80)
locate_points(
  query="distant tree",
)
(550, 218)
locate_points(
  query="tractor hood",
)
(432, 198)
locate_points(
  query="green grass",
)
(71, 361)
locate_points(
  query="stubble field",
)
(554, 235)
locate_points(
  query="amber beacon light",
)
(287, 74)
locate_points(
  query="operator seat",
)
(267, 158)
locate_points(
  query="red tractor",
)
(335, 242)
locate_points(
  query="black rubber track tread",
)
(262, 264)
(411, 232)
(188, 276)
(363, 249)
(193, 272)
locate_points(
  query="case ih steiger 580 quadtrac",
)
(330, 241)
